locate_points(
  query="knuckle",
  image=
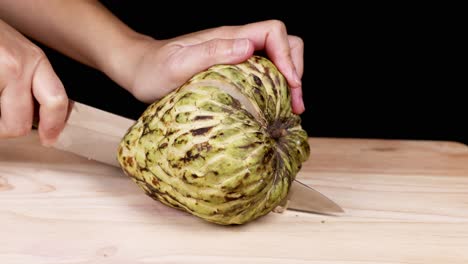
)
(138, 94)
(18, 131)
(211, 47)
(37, 53)
(278, 25)
(57, 102)
(13, 64)
(10, 64)
(297, 41)
(172, 72)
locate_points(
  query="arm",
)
(81, 29)
(87, 32)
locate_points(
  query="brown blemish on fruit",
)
(163, 145)
(203, 118)
(130, 161)
(257, 80)
(200, 131)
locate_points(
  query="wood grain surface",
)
(405, 202)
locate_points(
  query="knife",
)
(96, 134)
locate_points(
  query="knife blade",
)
(96, 134)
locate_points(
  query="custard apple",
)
(225, 146)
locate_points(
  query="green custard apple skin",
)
(225, 146)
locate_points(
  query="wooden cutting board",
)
(405, 202)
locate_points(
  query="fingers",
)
(297, 53)
(53, 102)
(297, 56)
(178, 59)
(195, 58)
(278, 49)
(15, 98)
(272, 37)
(296, 101)
(285, 51)
(16, 108)
(25, 73)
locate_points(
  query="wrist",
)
(121, 62)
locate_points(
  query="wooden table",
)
(405, 202)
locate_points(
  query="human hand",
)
(167, 64)
(25, 74)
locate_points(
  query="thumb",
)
(201, 56)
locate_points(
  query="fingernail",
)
(301, 101)
(298, 101)
(47, 143)
(240, 47)
(302, 106)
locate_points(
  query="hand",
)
(25, 73)
(167, 64)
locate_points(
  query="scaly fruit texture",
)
(225, 146)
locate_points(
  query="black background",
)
(370, 72)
